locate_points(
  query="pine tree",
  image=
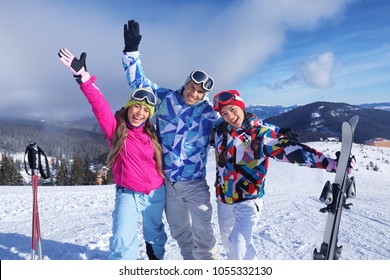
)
(56, 164)
(17, 178)
(77, 173)
(62, 174)
(4, 169)
(89, 175)
(10, 172)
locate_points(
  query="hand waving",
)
(131, 36)
(289, 133)
(76, 66)
(332, 166)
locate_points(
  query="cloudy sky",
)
(275, 52)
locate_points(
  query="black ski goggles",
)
(199, 76)
(141, 95)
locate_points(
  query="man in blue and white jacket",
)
(184, 121)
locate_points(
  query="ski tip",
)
(354, 120)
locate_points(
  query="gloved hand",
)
(332, 165)
(76, 66)
(131, 36)
(289, 134)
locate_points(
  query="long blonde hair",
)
(120, 135)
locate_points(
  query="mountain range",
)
(320, 120)
(56, 140)
(313, 122)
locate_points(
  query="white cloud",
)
(316, 72)
(229, 41)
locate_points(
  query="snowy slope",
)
(76, 221)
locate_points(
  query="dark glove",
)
(332, 165)
(289, 134)
(76, 66)
(131, 36)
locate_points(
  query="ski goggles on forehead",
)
(224, 97)
(199, 76)
(141, 95)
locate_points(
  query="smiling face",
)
(137, 114)
(233, 114)
(193, 93)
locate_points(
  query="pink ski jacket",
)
(134, 167)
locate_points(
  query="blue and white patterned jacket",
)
(184, 130)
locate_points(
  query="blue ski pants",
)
(129, 205)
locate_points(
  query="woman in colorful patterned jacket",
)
(184, 120)
(242, 147)
(136, 161)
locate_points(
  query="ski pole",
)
(36, 231)
(32, 153)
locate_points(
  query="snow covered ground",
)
(76, 220)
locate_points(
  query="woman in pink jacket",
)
(136, 162)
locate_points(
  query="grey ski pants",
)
(188, 210)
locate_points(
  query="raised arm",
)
(283, 149)
(100, 106)
(131, 61)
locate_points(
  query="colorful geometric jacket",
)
(242, 158)
(184, 130)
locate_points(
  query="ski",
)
(336, 194)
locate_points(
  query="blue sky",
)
(275, 52)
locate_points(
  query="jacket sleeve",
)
(134, 72)
(271, 126)
(284, 150)
(100, 107)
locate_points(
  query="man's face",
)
(193, 93)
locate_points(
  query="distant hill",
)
(83, 137)
(262, 111)
(266, 111)
(86, 123)
(323, 119)
(382, 106)
(56, 140)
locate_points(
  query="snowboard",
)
(336, 194)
